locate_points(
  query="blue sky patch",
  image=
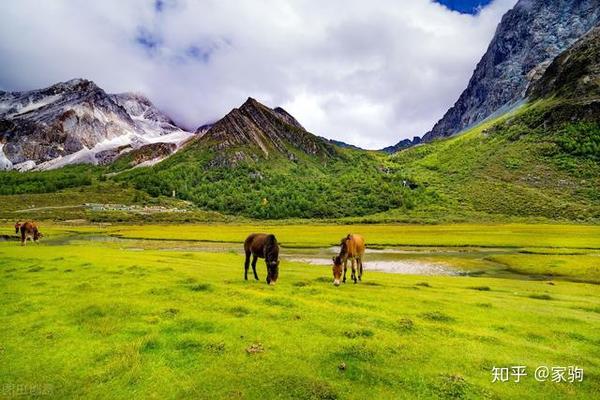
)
(464, 6)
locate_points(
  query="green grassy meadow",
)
(144, 313)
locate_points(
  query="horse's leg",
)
(360, 269)
(354, 271)
(254, 259)
(246, 265)
(345, 269)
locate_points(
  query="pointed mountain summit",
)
(255, 130)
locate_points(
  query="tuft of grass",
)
(481, 288)
(358, 333)
(540, 296)
(201, 287)
(437, 316)
(406, 325)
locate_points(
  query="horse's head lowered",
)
(272, 271)
(337, 270)
(272, 259)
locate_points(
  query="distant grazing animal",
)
(17, 227)
(353, 249)
(262, 245)
(29, 230)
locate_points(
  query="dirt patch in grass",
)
(255, 348)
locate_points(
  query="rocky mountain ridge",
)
(255, 131)
(77, 122)
(526, 41)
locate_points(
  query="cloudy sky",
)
(368, 72)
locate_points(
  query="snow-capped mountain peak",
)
(78, 122)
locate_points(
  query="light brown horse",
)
(29, 230)
(353, 249)
(262, 245)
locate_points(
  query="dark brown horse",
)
(29, 230)
(262, 245)
(352, 248)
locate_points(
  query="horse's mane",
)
(271, 247)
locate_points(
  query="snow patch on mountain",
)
(5, 163)
(77, 122)
(30, 106)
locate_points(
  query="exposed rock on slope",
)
(255, 130)
(575, 73)
(526, 41)
(71, 122)
(145, 114)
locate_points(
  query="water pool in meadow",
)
(412, 260)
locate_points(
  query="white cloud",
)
(366, 72)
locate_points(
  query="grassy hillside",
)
(534, 162)
(517, 165)
(350, 184)
(540, 161)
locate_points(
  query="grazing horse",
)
(29, 230)
(17, 227)
(262, 245)
(353, 249)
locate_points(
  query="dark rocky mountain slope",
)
(255, 131)
(575, 74)
(528, 38)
